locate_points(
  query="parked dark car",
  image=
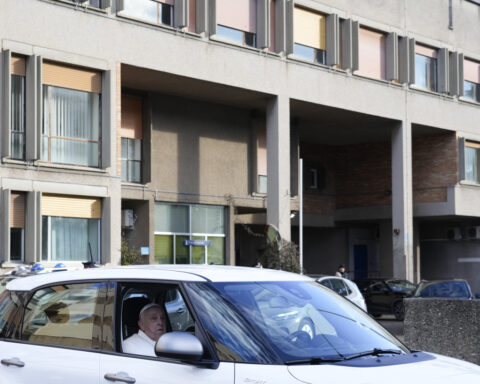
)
(453, 289)
(385, 295)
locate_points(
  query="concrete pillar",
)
(230, 248)
(33, 228)
(402, 210)
(278, 164)
(4, 225)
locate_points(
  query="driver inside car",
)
(152, 324)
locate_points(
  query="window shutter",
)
(180, 11)
(7, 84)
(263, 20)
(104, 4)
(461, 158)
(346, 43)
(411, 61)
(71, 77)
(453, 73)
(120, 5)
(443, 72)
(201, 16)
(17, 210)
(460, 74)
(391, 47)
(332, 37)
(18, 66)
(68, 206)
(289, 27)
(355, 31)
(131, 124)
(212, 17)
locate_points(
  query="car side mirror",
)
(179, 345)
(477, 295)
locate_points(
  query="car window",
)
(69, 315)
(10, 314)
(377, 288)
(326, 283)
(454, 289)
(340, 287)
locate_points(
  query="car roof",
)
(192, 273)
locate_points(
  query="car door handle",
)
(13, 361)
(120, 376)
(180, 310)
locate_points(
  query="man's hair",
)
(147, 307)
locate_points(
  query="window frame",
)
(472, 146)
(429, 76)
(128, 160)
(222, 33)
(476, 91)
(160, 7)
(23, 116)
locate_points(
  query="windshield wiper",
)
(374, 352)
(313, 361)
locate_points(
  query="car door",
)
(128, 368)
(379, 298)
(59, 338)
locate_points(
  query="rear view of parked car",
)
(344, 287)
(385, 296)
(452, 289)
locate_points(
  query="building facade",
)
(179, 125)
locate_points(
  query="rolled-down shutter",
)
(132, 119)
(18, 66)
(71, 77)
(69, 206)
(17, 210)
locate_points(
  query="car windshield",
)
(401, 285)
(297, 320)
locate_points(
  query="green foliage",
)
(130, 255)
(285, 257)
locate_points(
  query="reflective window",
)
(10, 312)
(149, 10)
(69, 314)
(471, 91)
(237, 36)
(263, 321)
(17, 117)
(426, 72)
(472, 164)
(131, 159)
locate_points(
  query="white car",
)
(344, 287)
(68, 327)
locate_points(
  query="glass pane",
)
(124, 148)
(230, 34)
(142, 9)
(250, 39)
(53, 312)
(433, 74)
(95, 3)
(470, 163)
(262, 184)
(171, 218)
(124, 170)
(198, 252)
(17, 112)
(134, 171)
(71, 239)
(425, 72)
(18, 145)
(164, 249)
(216, 252)
(166, 14)
(208, 219)
(72, 114)
(45, 148)
(16, 243)
(134, 149)
(182, 255)
(45, 237)
(304, 52)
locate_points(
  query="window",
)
(261, 158)
(426, 67)
(472, 162)
(92, 3)
(17, 226)
(71, 115)
(309, 35)
(189, 234)
(158, 12)
(237, 21)
(17, 111)
(10, 313)
(70, 228)
(68, 314)
(371, 54)
(471, 80)
(131, 139)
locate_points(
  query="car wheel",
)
(399, 310)
(306, 325)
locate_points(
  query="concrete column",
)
(33, 228)
(4, 225)
(230, 256)
(278, 164)
(402, 210)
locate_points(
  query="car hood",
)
(437, 370)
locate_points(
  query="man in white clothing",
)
(152, 324)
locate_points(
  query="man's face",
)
(153, 323)
(341, 269)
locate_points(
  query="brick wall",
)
(361, 175)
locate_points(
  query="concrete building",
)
(179, 125)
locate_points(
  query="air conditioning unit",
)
(473, 232)
(128, 218)
(454, 233)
